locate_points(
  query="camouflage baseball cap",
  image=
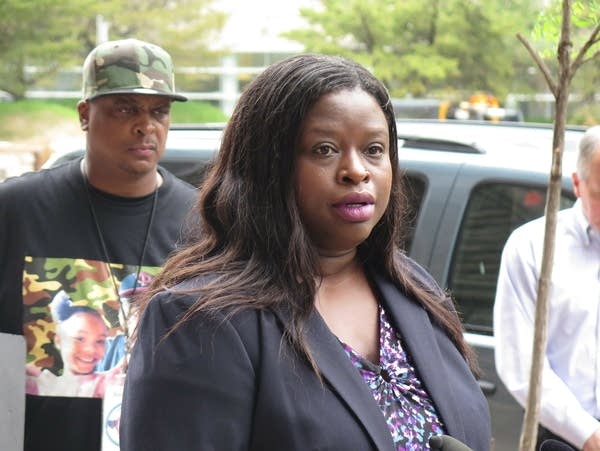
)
(128, 66)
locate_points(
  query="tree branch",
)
(579, 60)
(564, 48)
(540, 63)
(595, 55)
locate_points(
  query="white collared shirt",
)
(570, 395)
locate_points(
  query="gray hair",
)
(588, 146)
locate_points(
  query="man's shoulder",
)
(531, 227)
(177, 183)
(34, 182)
(532, 232)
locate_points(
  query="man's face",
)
(126, 133)
(588, 191)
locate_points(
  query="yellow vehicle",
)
(479, 106)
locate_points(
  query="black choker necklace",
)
(124, 325)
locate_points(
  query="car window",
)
(493, 211)
(192, 171)
(414, 188)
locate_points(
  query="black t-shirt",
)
(51, 248)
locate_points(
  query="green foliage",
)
(185, 28)
(50, 34)
(22, 119)
(194, 112)
(585, 15)
(25, 118)
(41, 33)
(423, 47)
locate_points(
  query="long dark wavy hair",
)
(250, 242)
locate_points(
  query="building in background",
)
(250, 41)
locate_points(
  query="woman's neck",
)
(348, 305)
(334, 265)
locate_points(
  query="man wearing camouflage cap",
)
(84, 226)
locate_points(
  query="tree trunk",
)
(530, 421)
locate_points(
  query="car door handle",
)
(487, 387)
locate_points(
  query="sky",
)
(256, 25)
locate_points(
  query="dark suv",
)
(471, 184)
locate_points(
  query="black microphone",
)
(555, 445)
(447, 443)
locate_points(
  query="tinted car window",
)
(493, 211)
(414, 187)
(192, 172)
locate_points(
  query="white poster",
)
(12, 392)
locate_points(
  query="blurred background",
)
(441, 59)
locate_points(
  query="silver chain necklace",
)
(124, 325)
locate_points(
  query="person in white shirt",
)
(570, 393)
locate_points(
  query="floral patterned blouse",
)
(406, 406)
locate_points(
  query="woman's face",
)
(343, 170)
(82, 342)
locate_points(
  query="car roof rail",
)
(499, 124)
(418, 142)
(198, 126)
(412, 141)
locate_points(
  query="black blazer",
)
(229, 384)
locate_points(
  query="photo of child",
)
(81, 335)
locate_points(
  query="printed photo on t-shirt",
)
(74, 320)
